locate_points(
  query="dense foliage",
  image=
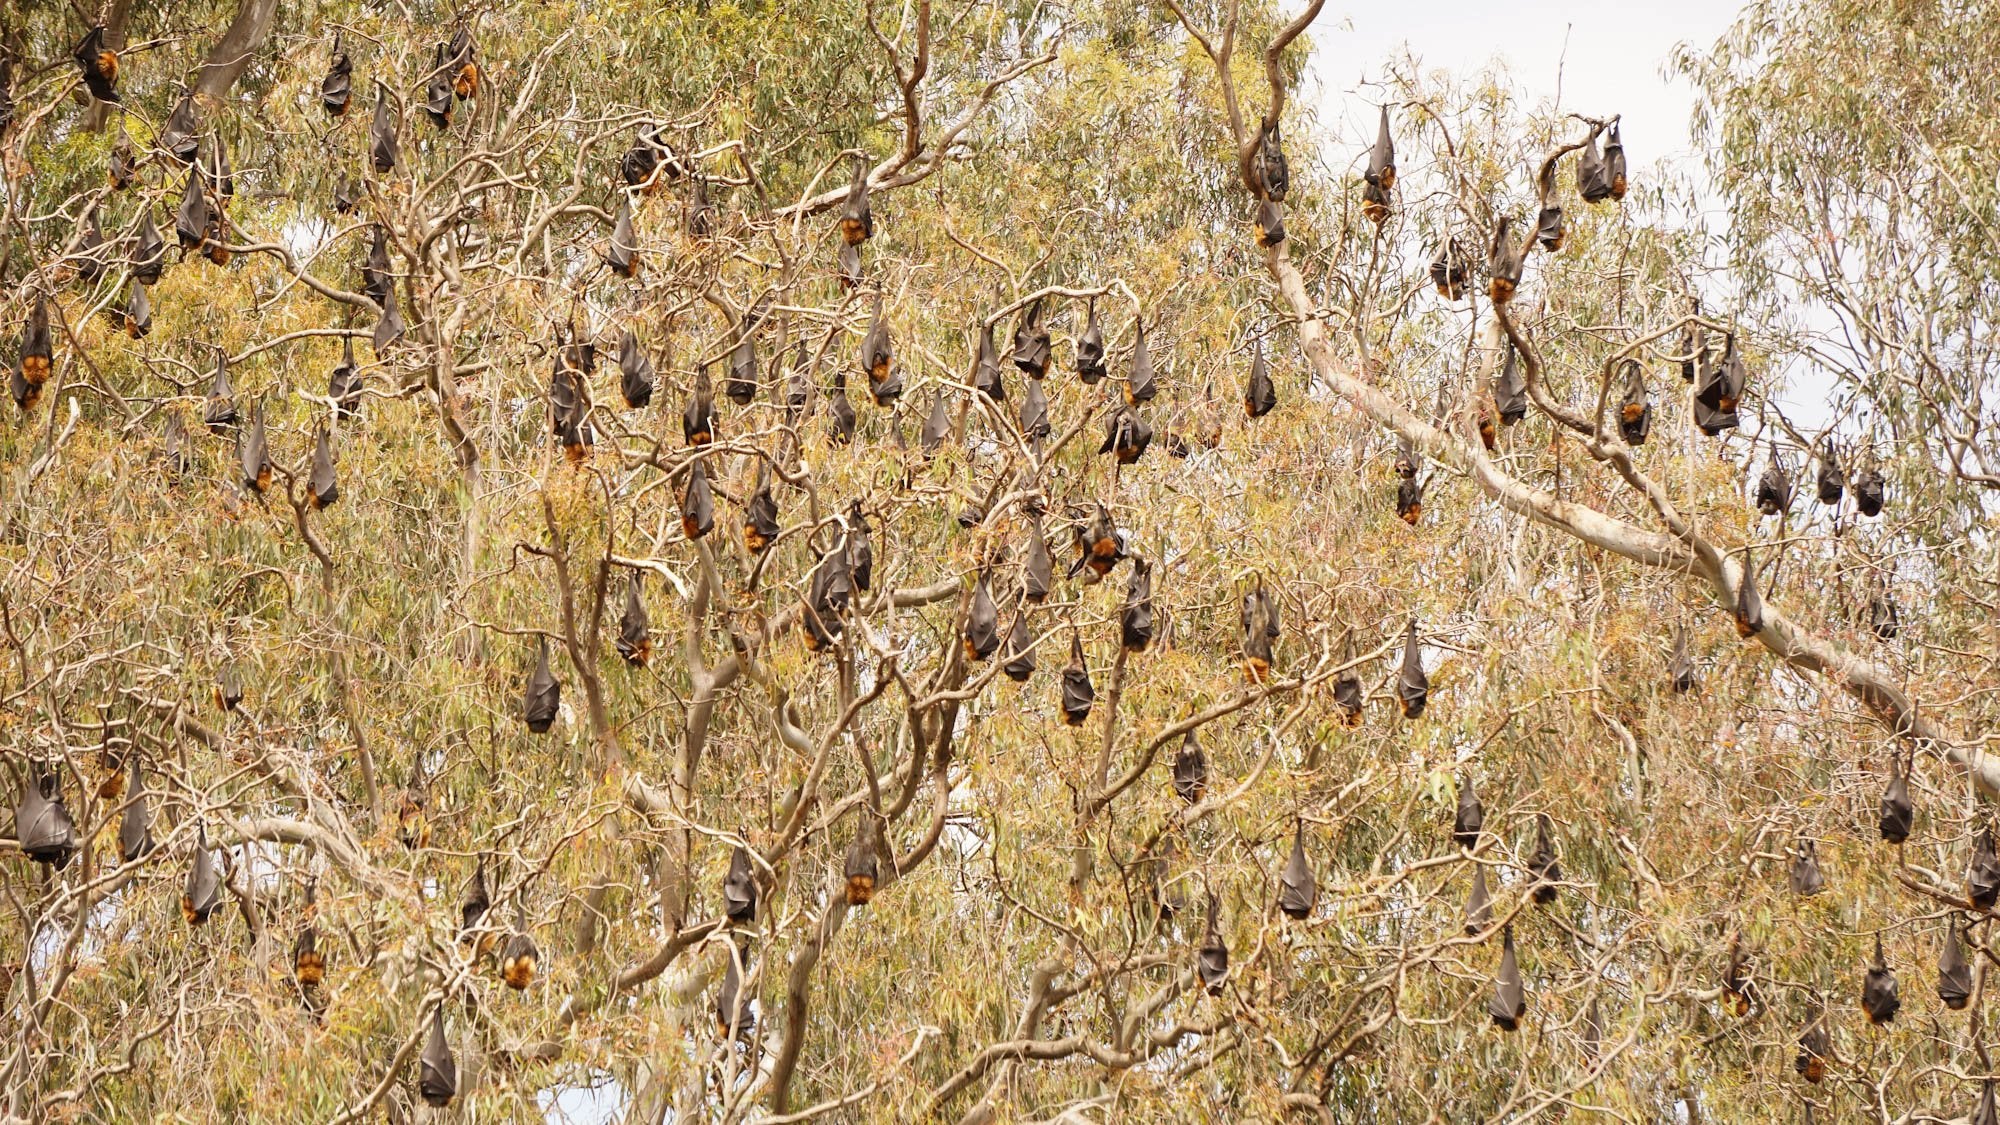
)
(524, 724)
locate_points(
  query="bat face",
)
(336, 90)
(1273, 174)
(1870, 491)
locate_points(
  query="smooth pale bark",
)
(233, 53)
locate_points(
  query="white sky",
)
(1612, 63)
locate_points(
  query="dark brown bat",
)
(203, 890)
(336, 90)
(1135, 620)
(1077, 692)
(383, 148)
(1413, 687)
(219, 410)
(1878, 989)
(1090, 365)
(980, 634)
(635, 372)
(437, 1072)
(1897, 813)
(697, 504)
(322, 489)
(1260, 395)
(543, 697)
(180, 135)
(986, 368)
(1190, 770)
(1031, 342)
(635, 630)
(42, 824)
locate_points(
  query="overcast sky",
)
(1612, 62)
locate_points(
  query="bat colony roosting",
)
(996, 620)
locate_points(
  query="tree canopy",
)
(814, 560)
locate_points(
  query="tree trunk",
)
(231, 54)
